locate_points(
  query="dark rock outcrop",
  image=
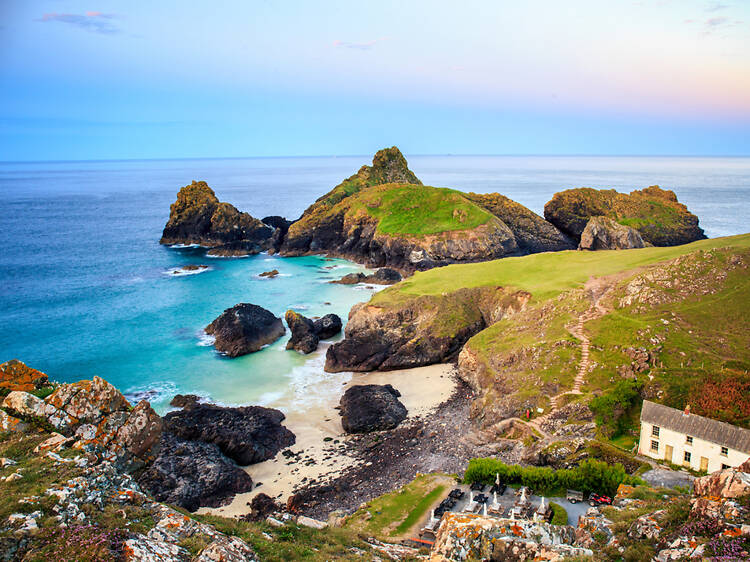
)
(244, 328)
(261, 506)
(198, 217)
(327, 326)
(418, 331)
(371, 407)
(532, 233)
(602, 233)
(15, 375)
(306, 333)
(383, 276)
(304, 339)
(655, 213)
(270, 274)
(184, 400)
(192, 474)
(247, 434)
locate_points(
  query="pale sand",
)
(422, 390)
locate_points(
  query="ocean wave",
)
(311, 385)
(180, 272)
(154, 392)
(183, 246)
(205, 340)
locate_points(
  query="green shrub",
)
(611, 408)
(590, 476)
(559, 515)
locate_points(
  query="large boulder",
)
(654, 212)
(198, 217)
(192, 474)
(304, 339)
(244, 328)
(371, 407)
(247, 434)
(603, 233)
(14, 375)
(327, 326)
(730, 483)
(88, 401)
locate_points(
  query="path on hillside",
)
(598, 289)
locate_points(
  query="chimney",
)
(687, 410)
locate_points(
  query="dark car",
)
(596, 499)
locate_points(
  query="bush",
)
(611, 408)
(590, 476)
(559, 515)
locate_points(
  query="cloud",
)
(716, 6)
(96, 22)
(366, 46)
(716, 22)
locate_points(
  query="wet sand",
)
(321, 451)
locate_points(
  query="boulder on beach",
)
(306, 333)
(247, 434)
(193, 474)
(603, 233)
(15, 375)
(244, 328)
(371, 407)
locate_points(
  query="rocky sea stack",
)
(306, 333)
(654, 212)
(371, 407)
(244, 328)
(384, 216)
(198, 217)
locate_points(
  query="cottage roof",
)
(725, 434)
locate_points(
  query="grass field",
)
(547, 274)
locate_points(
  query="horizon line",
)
(443, 155)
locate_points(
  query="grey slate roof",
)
(725, 434)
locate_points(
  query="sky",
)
(181, 79)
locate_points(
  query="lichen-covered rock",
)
(730, 483)
(244, 328)
(192, 474)
(603, 233)
(247, 434)
(24, 404)
(11, 423)
(420, 330)
(14, 375)
(371, 407)
(304, 339)
(648, 526)
(198, 217)
(655, 213)
(88, 401)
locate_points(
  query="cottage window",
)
(655, 446)
(689, 440)
(687, 456)
(655, 431)
(724, 451)
(725, 466)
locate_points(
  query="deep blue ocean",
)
(85, 287)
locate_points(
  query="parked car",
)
(574, 496)
(596, 499)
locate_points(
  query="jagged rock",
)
(15, 375)
(730, 483)
(24, 404)
(54, 443)
(383, 276)
(603, 233)
(192, 474)
(304, 339)
(143, 549)
(262, 506)
(327, 326)
(659, 218)
(270, 274)
(247, 434)
(10, 423)
(88, 401)
(244, 328)
(198, 217)
(420, 330)
(184, 400)
(371, 407)
(647, 526)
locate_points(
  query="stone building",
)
(691, 441)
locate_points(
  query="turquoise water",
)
(83, 288)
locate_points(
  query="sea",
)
(86, 289)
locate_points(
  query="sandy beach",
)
(320, 450)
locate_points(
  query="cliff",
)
(655, 213)
(198, 217)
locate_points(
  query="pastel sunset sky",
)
(103, 79)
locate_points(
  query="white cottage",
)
(692, 441)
